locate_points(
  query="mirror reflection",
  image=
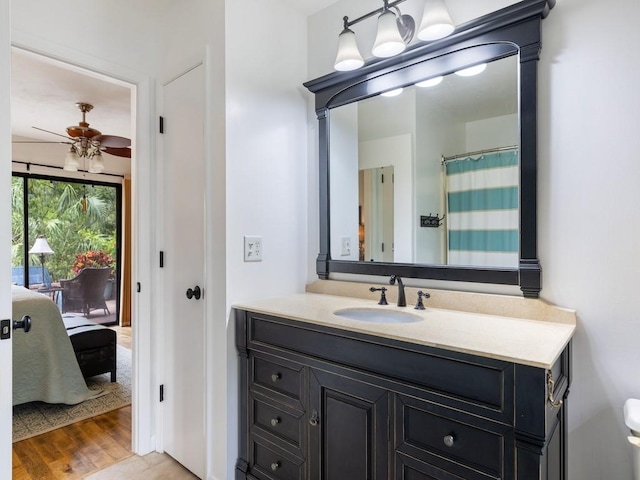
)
(429, 175)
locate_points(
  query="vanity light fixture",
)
(394, 33)
(392, 93)
(432, 82)
(471, 71)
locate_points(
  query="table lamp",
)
(42, 248)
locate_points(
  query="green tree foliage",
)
(73, 217)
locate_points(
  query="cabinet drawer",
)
(278, 376)
(451, 439)
(273, 463)
(286, 425)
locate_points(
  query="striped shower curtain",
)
(482, 199)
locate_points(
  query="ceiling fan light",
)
(96, 164)
(388, 42)
(436, 21)
(348, 57)
(71, 161)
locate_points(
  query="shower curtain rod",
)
(479, 152)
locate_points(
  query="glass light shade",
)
(388, 40)
(348, 57)
(471, 71)
(392, 93)
(96, 164)
(436, 22)
(432, 82)
(71, 161)
(41, 247)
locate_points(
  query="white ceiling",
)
(44, 93)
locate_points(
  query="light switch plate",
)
(252, 248)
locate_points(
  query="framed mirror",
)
(438, 179)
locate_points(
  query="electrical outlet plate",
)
(346, 246)
(252, 248)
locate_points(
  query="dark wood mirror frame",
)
(510, 31)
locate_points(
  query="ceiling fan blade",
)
(53, 133)
(112, 141)
(35, 141)
(118, 152)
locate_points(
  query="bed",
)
(45, 367)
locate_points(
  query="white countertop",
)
(525, 341)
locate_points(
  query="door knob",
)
(194, 293)
(24, 323)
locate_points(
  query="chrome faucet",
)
(402, 301)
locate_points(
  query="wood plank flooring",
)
(75, 451)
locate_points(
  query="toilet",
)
(632, 419)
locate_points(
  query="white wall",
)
(266, 163)
(589, 170)
(343, 213)
(492, 132)
(589, 222)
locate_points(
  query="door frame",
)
(143, 243)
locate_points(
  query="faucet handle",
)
(383, 297)
(419, 304)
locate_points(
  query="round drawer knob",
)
(449, 440)
(275, 377)
(275, 466)
(275, 421)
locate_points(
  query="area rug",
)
(35, 418)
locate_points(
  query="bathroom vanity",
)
(454, 395)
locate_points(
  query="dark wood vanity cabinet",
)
(320, 403)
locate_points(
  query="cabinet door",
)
(349, 429)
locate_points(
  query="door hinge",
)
(382, 178)
(382, 246)
(161, 259)
(138, 287)
(161, 124)
(162, 393)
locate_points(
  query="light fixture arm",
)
(380, 10)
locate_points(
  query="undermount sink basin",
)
(377, 315)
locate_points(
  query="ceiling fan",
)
(89, 143)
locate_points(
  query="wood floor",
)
(77, 450)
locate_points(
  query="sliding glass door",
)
(61, 227)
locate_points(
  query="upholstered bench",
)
(93, 344)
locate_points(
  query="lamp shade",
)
(388, 42)
(71, 161)
(436, 21)
(96, 164)
(348, 57)
(41, 247)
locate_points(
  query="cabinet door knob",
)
(275, 377)
(275, 466)
(313, 421)
(449, 440)
(275, 421)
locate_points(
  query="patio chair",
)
(85, 291)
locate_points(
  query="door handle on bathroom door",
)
(195, 293)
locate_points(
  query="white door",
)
(184, 264)
(5, 242)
